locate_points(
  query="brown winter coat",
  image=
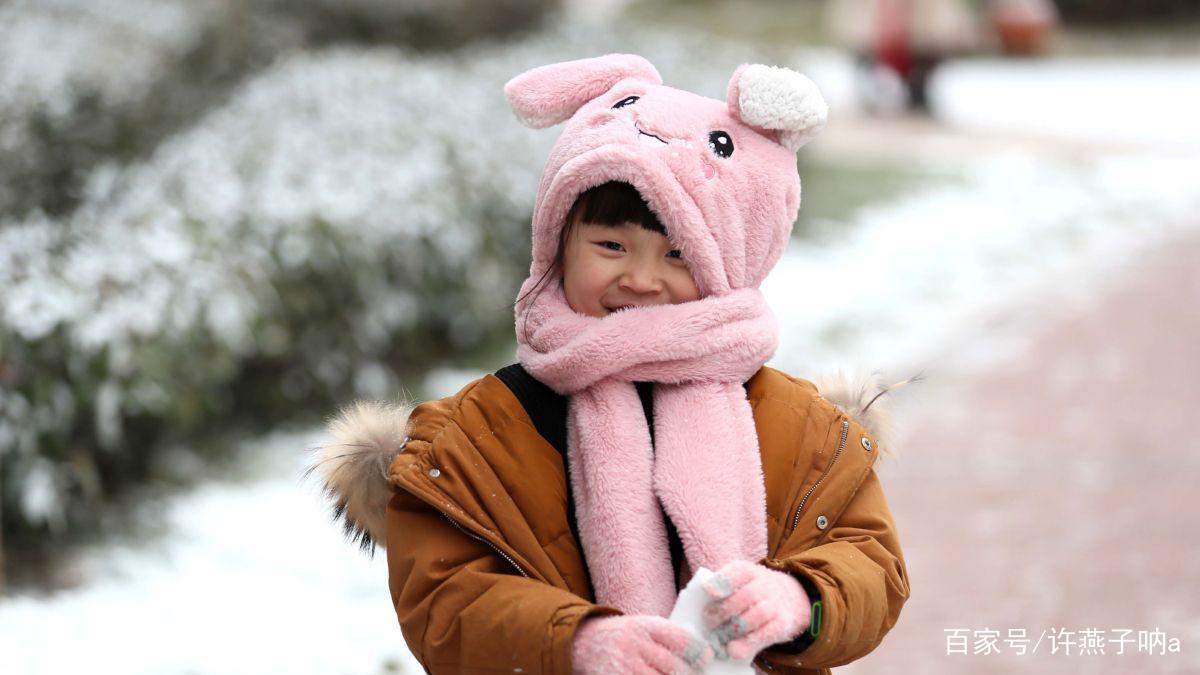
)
(487, 576)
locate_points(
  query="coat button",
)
(866, 443)
(435, 473)
(822, 522)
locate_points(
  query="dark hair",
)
(613, 203)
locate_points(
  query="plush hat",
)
(720, 175)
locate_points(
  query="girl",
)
(544, 518)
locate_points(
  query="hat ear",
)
(777, 99)
(550, 94)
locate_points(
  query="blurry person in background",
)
(899, 43)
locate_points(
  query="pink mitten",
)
(751, 607)
(640, 645)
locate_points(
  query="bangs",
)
(614, 203)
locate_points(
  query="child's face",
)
(606, 267)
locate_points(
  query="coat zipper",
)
(434, 506)
(841, 446)
(494, 547)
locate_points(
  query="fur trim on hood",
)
(367, 436)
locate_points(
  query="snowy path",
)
(1056, 491)
(908, 274)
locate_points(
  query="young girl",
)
(544, 518)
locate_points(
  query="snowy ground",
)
(1015, 227)
(1054, 493)
(1135, 101)
(256, 580)
(253, 580)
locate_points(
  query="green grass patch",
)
(771, 22)
(833, 191)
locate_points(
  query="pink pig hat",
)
(720, 175)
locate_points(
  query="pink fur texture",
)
(639, 645)
(752, 607)
(548, 95)
(722, 180)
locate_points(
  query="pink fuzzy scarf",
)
(704, 467)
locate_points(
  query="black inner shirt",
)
(548, 410)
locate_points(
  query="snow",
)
(908, 273)
(688, 612)
(1143, 101)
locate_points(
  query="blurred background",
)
(220, 220)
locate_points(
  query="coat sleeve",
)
(464, 609)
(858, 569)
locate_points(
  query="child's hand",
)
(640, 645)
(751, 607)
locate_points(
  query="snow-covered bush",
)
(85, 79)
(416, 23)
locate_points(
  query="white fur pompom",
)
(781, 99)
